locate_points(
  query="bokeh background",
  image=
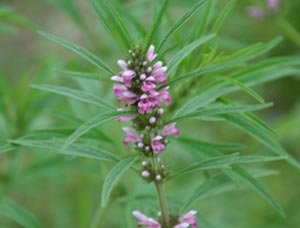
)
(64, 192)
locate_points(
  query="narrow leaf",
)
(113, 177)
(181, 22)
(6, 148)
(92, 123)
(224, 162)
(17, 214)
(80, 51)
(81, 150)
(182, 54)
(75, 94)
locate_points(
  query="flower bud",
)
(152, 120)
(145, 173)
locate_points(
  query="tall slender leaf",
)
(75, 94)
(182, 54)
(181, 22)
(80, 51)
(113, 177)
(18, 214)
(92, 123)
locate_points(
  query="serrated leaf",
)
(261, 136)
(18, 214)
(188, 49)
(80, 51)
(81, 150)
(92, 123)
(217, 110)
(113, 178)
(225, 162)
(180, 22)
(75, 94)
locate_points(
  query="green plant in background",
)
(200, 78)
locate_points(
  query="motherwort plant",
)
(171, 74)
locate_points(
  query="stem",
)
(162, 198)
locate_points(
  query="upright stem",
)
(162, 199)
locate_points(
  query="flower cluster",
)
(258, 13)
(184, 221)
(141, 87)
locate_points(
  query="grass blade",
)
(113, 177)
(6, 148)
(80, 51)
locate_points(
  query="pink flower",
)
(256, 13)
(190, 218)
(150, 54)
(148, 86)
(127, 76)
(170, 129)
(182, 225)
(131, 137)
(156, 145)
(117, 78)
(123, 94)
(144, 220)
(145, 105)
(273, 5)
(164, 96)
(126, 118)
(159, 73)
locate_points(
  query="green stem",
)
(162, 199)
(98, 217)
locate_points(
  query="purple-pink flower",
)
(157, 145)
(187, 220)
(144, 220)
(170, 129)
(131, 136)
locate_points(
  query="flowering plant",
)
(163, 82)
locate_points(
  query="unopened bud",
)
(144, 163)
(158, 177)
(147, 148)
(143, 77)
(145, 173)
(160, 111)
(152, 120)
(140, 145)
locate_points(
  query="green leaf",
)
(217, 110)
(85, 75)
(224, 162)
(232, 174)
(80, 150)
(80, 51)
(204, 145)
(92, 123)
(6, 148)
(222, 16)
(181, 22)
(17, 214)
(219, 184)
(182, 54)
(260, 135)
(75, 94)
(228, 62)
(112, 21)
(244, 87)
(245, 177)
(157, 22)
(113, 177)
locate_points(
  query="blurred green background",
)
(65, 191)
